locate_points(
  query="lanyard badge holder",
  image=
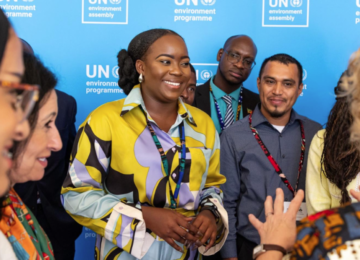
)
(302, 211)
(182, 160)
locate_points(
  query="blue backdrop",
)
(79, 41)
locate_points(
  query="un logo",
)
(304, 74)
(206, 74)
(296, 3)
(115, 70)
(115, 2)
(208, 2)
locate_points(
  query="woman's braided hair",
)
(340, 160)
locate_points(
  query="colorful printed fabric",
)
(329, 235)
(7, 252)
(116, 169)
(24, 233)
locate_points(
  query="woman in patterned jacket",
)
(144, 171)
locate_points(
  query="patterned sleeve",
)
(211, 198)
(330, 234)
(84, 197)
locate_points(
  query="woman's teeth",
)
(42, 159)
(172, 83)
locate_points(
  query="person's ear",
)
(219, 54)
(258, 81)
(300, 89)
(140, 66)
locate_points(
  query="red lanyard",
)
(272, 160)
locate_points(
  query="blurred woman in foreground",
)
(16, 101)
(18, 223)
(333, 162)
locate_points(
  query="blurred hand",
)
(206, 224)
(169, 225)
(355, 194)
(279, 228)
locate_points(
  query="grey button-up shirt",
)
(250, 177)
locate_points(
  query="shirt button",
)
(280, 135)
(283, 156)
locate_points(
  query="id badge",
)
(302, 213)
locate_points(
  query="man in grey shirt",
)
(269, 155)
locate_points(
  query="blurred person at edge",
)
(16, 100)
(334, 162)
(330, 234)
(30, 160)
(188, 94)
(43, 196)
(144, 171)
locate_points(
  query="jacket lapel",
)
(202, 97)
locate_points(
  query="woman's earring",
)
(141, 78)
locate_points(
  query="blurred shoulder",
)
(199, 116)
(307, 121)
(64, 97)
(108, 113)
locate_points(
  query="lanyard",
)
(221, 121)
(173, 196)
(272, 160)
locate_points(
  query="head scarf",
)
(4, 33)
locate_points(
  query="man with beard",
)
(223, 97)
(271, 152)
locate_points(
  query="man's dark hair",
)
(4, 33)
(128, 76)
(284, 59)
(35, 74)
(192, 68)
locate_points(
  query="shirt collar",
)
(219, 93)
(258, 118)
(134, 100)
